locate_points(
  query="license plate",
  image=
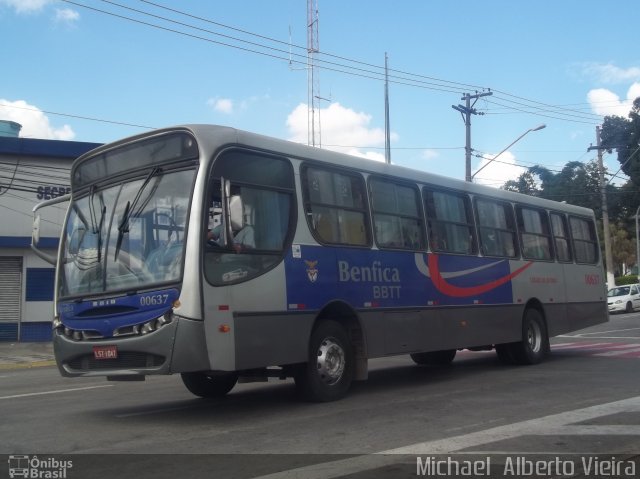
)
(105, 352)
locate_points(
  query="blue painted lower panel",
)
(36, 332)
(8, 332)
(29, 332)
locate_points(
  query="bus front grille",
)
(125, 360)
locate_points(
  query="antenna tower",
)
(313, 76)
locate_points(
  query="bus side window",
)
(496, 227)
(585, 242)
(335, 206)
(561, 237)
(397, 217)
(535, 234)
(450, 220)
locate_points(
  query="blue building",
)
(31, 170)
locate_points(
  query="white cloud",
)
(342, 129)
(26, 6)
(221, 105)
(66, 15)
(35, 124)
(606, 102)
(497, 174)
(609, 73)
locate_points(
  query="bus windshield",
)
(128, 235)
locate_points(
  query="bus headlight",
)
(148, 327)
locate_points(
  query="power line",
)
(405, 78)
(539, 111)
(77, 116)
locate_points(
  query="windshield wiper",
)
(123, 227)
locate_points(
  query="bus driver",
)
(243, 234)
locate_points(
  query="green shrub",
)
(631, 279)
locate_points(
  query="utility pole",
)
(387, 127)
(314, 137)
(608, 254)
(466, 112)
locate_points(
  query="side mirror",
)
(36, 230)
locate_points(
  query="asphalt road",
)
(584, 401)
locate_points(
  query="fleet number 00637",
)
(153, 299)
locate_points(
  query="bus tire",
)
(209, 385)
(535, 340)
(328, 373)
(434, 358)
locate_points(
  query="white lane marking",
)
(619, 352)
(564, 423)
(541, 426)
(581, 345)
(613, 337)
(595, 333)
(55, 392)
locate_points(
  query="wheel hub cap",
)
(331, 361)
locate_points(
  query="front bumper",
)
(160, 352)
(617, 307)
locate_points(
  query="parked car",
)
(624, 298)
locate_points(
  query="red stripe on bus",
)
(456, 291)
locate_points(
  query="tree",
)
(526, 184)
(624, 248)
(623, 135)
(577, 183)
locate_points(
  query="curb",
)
(28, 365)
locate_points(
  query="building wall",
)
(31, 171)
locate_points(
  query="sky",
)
(98, 71)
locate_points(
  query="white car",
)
(624, 298)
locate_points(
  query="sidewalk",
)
(25, 355)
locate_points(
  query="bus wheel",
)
(329, 372)
(435, 358)
(535, 340)
(209, 385)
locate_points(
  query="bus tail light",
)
(224, 328)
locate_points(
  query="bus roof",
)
(213, 137)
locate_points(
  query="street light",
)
(539, 127)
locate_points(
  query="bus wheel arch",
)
(335, 342)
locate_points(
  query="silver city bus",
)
(221, 254)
